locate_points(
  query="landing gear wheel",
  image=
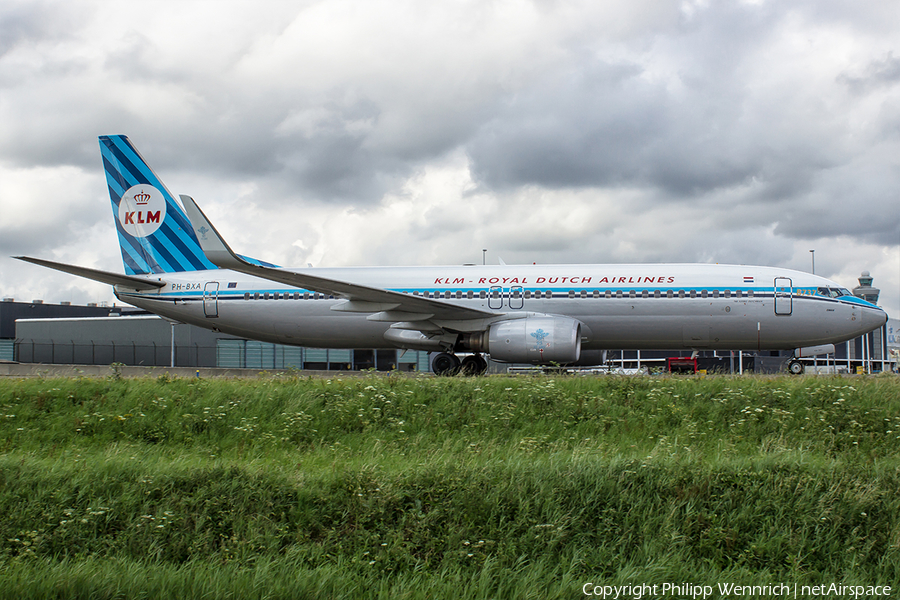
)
(473, 365)
(444, 364)
(795, 367)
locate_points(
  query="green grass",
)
(444, 488)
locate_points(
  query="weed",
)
(492, 487)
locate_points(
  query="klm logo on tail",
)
(154, 234)
(142, 210)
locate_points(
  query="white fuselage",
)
(646, 306)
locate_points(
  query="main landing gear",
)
(445, 364)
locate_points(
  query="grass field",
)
(496, 487)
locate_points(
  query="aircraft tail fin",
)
(155, 236)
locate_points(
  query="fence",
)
(104, 353)
(227, 353)
(249, 354)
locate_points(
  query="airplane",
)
(178, 266)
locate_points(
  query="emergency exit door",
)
(211, 299)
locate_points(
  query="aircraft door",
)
(516, 297)
(495, 297)
(211, 299)
(784, 296)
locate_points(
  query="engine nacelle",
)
(535, 340)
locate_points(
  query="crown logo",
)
(142, 198)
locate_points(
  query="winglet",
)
(211, 242)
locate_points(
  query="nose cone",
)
(867, 316)
(873, 318)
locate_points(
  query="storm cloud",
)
(398, 132)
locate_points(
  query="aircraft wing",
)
(385, 305)
(133, 283)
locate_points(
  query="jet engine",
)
(535, 340)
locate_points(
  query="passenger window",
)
(584, 293)
(715, 293)
(728, 293)
(670, 294)
(656, 294)
(645, 294)
(608, 294)
(681, 293)
(246, 295)
(469, 294)
(693, 293)
(571, 293)
(481, 294)
(618, 293)
(596, 294)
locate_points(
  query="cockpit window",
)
(830, 292)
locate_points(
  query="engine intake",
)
(535, 340)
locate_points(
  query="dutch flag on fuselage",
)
(154, 233)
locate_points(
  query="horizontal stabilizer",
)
(133, 283)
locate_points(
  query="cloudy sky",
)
(394, 132)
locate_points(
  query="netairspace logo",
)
(732, 590)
